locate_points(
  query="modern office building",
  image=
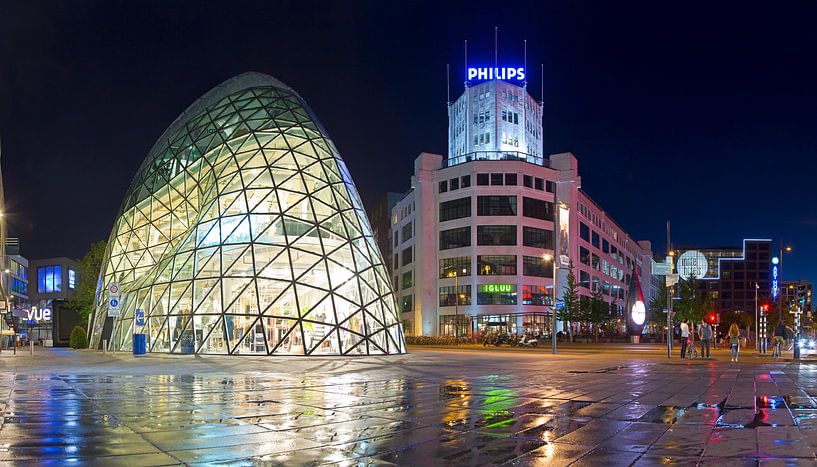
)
(733, 276)
(380, 219)
(474, 243)
(243, 233)
(47, 319)
(798, 293)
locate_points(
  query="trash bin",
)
(139, 344)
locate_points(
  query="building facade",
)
(47, 318)
(735, 278)
(476, 237)
(380, 219)
(243, 234)
(799, 294)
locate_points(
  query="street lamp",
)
(456, 303)
(552, 258)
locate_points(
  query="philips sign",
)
(509, 74)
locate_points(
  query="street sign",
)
(560, 304)
(661, 269)
(114, 307)
(113, 289)
(672, 279)
(140, 317)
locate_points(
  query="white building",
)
(474, 237)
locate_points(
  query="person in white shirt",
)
(684, 337)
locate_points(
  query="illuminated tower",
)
(495, 118)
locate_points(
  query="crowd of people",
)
(704, 335)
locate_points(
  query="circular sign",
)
(638, 313)
(692, 263)
(113, 289)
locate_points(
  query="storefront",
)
(511, 323)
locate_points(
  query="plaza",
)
(615, 405)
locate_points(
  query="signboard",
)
(507, 74)
(496, 288)
(113, 289)
(42, 314)
(140, 317)
(560, 304)
(672, 279)
(661, 269)
(564, 235)
(775, 282)
(692, 263)
(114, 307)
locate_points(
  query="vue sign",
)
(42, 314)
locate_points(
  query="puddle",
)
(771, 402)
(599, 371)
(666, 414)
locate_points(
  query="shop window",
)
(487, 295)
(536, 295)
(496, 265)
(462, 297)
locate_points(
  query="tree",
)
(570, 296)
(658, 303)
(90, 266)
(692, 303)
(598, 312)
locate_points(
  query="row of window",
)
(536, 295)
(594, 284)
(482, 138)
(496, 235)
(510, 117)
(455, 183)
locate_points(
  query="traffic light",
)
(764, 308)
(712, 318)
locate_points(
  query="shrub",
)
(79, 339)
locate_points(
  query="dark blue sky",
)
(704, 113)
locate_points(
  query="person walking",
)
(705, 331)
(684, 337)
(734, 340)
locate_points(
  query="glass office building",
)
(243, 233)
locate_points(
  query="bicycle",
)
(692, 351)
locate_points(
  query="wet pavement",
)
(431, 407)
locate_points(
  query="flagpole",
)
(757, 323)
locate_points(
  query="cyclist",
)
(780, 334)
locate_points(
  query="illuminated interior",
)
(243, 233)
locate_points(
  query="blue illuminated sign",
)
(515, 74)
(775, 278)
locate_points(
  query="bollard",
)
(105, 346)
(31, 343)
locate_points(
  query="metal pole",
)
(456, 308)
(669, 295)
(757, 323)
(557, 235)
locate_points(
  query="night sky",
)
(702, 113)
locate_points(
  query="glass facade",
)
(49, 279)
(243, 233)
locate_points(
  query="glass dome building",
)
(243, 234)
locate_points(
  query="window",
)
(539, 184)
(595, 284)
(406, 231)
(460, 264)
(18, 286)
(407, 256)
(496, 265)
(550, 187)
(407, 303)
(584, 279)
(537, 208)
(605, 246)
(510, 179)
(462, 297)
(396, 262)
(408, 280)
(482, 179)
(496, 205)
(536, 266)
(584, 255)
(465, 181)
(454, 183)
(595, 241)
(496, 235)
(72, 279)
(535, 295)
(594, 262)
(496, 179)
(527, 180)
(443, 186)
(537, 238)
(455, 238)
(49, 279)
(455, 209)
(496, 298)
(396, 239)
(584, 232)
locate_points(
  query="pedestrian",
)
(734, 340)
(705, 331)
(684, 337)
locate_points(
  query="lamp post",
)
(552, 259)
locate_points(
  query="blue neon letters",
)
(517, 74)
